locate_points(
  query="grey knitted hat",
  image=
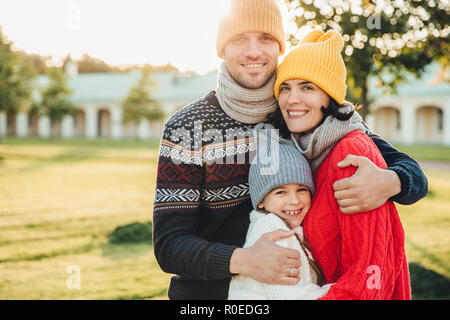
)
(277, 162)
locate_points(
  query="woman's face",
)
(300, 103)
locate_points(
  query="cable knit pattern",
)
(246, 288)
(363, 253)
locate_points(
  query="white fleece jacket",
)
(246, 288)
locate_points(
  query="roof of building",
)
(106, 87)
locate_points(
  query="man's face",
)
(252, 58)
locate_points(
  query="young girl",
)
(281, 197)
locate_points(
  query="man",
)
(202, 204)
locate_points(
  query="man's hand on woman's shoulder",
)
(369, 188)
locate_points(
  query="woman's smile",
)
(296, 113)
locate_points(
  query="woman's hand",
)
(369, 188)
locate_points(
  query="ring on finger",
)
(291, 271)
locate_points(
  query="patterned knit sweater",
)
(363, 253)
(202, 203)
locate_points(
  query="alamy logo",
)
(268, 151)
(74, 281)
(374, 22)
(73, 18)
(231, 146)
(374, 280)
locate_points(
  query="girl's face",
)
(290, 202)
(300, 104)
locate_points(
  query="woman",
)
(363, 254)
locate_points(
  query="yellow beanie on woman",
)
(317, 59)
(250, 16)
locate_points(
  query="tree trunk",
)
(364, 111)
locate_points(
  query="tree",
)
(38, 64)
(54, 102)
(15, 79)
(384, 39)
(150, 68)
(139, 104)
(88, 64)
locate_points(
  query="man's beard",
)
(246, 80)
(249, 83)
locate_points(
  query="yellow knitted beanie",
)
(251, 16)
(316, 59)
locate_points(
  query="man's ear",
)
(260, 205)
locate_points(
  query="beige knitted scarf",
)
(316, 145)
(242, 104)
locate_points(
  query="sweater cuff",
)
(406, 184)
(219, 261)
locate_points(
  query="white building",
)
(418, 113)
(99, 96)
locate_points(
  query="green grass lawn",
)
(58, 202)
(426, 152)
(60, 199)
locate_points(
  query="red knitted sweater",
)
(363, 254)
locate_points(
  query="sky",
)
(120, 32)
